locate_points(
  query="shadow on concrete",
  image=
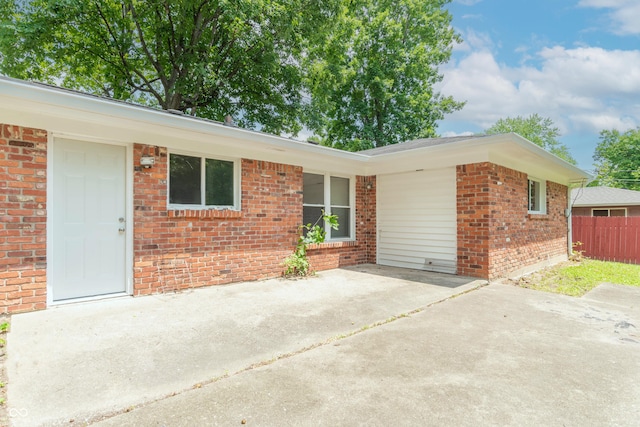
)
(420, 276)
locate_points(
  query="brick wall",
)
(174, 250)
(496, 234)
(179, 249)
(23, 215)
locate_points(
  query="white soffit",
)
(75, 115)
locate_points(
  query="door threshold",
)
(89, 299)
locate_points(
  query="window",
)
(537, 196)
(331, 193)
(609, 212)
(200, 182)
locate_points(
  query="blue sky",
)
(575, 61)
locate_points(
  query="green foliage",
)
(579, 278)
(539, 130)
(297, 264)
(617, 159)
(372, 78)
(207, 58)
(4, 328)
(360, 73)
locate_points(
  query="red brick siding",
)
(496, 234)
(23, 216)
(177, 250)
(473, 201)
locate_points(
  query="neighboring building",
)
(101, 197)
(605, 201)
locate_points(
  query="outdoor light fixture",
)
(147, 161)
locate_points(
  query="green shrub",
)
(297, 264)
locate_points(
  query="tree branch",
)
(125, 64)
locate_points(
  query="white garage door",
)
(417, 220)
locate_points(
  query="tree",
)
(371, 81)
(208, 58)
(539, 130)
(617, 159)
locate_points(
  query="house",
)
(102, 197)
(605, 201)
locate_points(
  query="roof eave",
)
(80, 105)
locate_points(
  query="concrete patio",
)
(83, 360)
(369, 346)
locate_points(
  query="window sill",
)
(205, 213)
(333, 245)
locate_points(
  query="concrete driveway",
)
(335, 349)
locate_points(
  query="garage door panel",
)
(426, 227)
(434, 265)
(436, 259)
(430, 244)
(441, 217)
(425, 241)
(398, 198)
(441, 258)
(417, 225)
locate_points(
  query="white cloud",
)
(624, 15)
(452, 133)
(474, 41)
(584, 89)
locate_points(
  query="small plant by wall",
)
(576, 254)
(297, 264)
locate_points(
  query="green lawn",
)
(576, 279)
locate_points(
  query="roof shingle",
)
(604, 196)
(418, 143)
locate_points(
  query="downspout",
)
(569, 224)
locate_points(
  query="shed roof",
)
(604, 196)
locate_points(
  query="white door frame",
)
(52, 136)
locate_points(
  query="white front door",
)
(88, 253)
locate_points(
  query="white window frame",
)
(609, 211)
(327, 204)
(202, 206)
(542, 196)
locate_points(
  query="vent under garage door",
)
(417, 220)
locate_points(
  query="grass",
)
(578, 278)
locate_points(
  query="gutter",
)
(80, 104)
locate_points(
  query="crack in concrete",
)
(108, 415)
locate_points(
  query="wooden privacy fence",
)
(608, 238)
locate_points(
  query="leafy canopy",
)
(210, 58)
(371, 81)
(360, 73)
(539, 130)
(617, 159)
